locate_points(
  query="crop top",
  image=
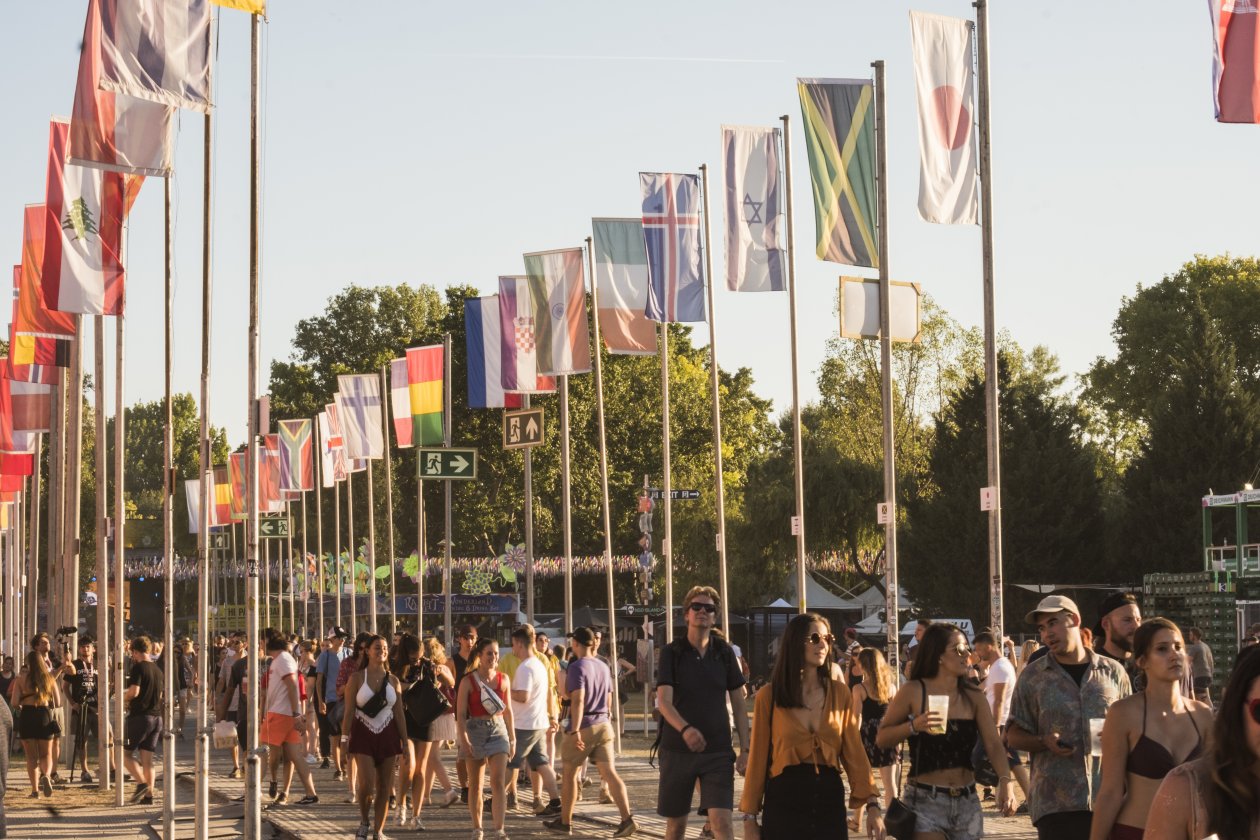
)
(1151, 759)
(475, 709)
(943, 752)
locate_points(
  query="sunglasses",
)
(817, 638)
(697, 607)
(961, 650)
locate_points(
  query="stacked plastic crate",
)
(1206, 600)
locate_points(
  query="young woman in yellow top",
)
(805, 727)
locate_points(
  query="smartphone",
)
(1067, 745)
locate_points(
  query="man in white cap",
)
(1056, 698)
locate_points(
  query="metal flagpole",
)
(389, 506)
(201, 793)
(667, 542)
(266, 608)
(288, 578)
(885, 364)
(120, 526)
(529, 525)
(421, 534)
(168, 538)
(102, 554)
(369, 553)
(603, 485)
(56, 496)
(996, 618)
(719, 483)
(799, 465)
(253, 767)
(446, 439)
(319, 531)
(32, 565)
(337, 544)
(306, 578)
(73, 486)
(354, 556)
(566, 503)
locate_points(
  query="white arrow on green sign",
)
(460, 464)
(273, 528)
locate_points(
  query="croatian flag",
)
(520, 340)
(671, 232)
(484, 341)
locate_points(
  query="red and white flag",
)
(83, 219)
(944, 81)
(113, 131)
(157, 50)
(333, 466)
(1236, 60)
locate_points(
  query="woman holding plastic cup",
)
(942, 714)
(1146, 735)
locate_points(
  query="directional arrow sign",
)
(448, 463)
(522, 429)
(273, 528)
(676, 495)
(220, 541)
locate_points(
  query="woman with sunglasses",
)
(942, 782)
(805, 728)
(1147, 734)
(1217, 795)
(483, 717)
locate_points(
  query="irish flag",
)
(416, 393)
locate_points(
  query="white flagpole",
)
(370, 553)
(337, 570)
(120, 526)
(996, 618)
(306, 578)
(603, 486)
(799, 464)
(102, 557)
(253, 767)
(354, 556)
(287, 576)
(421, 533)
(56, 495)
(32, 564)
(73, 485)
(719, 483)
(885, 364)
(667, 541)
(319, 529)
(529, 525)
(566, 503)
(168, 538)
(389, 505)
(449, 516)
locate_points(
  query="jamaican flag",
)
(839, 118)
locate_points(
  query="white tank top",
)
(377, 724)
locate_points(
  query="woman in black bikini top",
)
(1147, 735)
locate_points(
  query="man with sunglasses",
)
(1055, 699)
(699, 673)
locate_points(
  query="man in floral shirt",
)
(1055, 699)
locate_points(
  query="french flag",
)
(484, 338)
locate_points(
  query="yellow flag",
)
(257, 7)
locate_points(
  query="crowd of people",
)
(1107, 733)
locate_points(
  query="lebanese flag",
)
(947, 145)
(83, 219)
(114, 131)
(41, 336)
(1236, 60)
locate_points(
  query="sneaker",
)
(463, 795)
(271, 789)
(352, 800)
(452, 796)
(139, 792)
(364, 832)
(235, 774)
(45, 785)
(380, 835)
(324, 765)
(1022, 809)
(282, 799)
(559, 826)
(627, 827)
(538, 808)
(605, 798)
(57, 778)
(988, 795)
(312, 759)
(393, 802)
(338, 776)
(511, 801)
(477, 834)
(34, 794)
(86, 778)
(552, 809)
(147, 800)
(308, 800)
(500, 834)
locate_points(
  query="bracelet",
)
(910, 721)
(683, 731)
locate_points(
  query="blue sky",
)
(421, 142)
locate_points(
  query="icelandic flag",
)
(520, 340)
(671, 232)
(485, 355)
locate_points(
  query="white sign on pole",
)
(796, 526)
(883, 513)
(988, 498)
(859, 309)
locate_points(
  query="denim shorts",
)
(488, 736)
(956, 817)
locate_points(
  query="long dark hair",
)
(785, 679)
(406, 654)
(1229, 794)
(933, 646)
(372, 639)
(1146, 633)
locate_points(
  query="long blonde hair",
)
(877, 677)
(38, 681)
(433, 648)
(1026, 650)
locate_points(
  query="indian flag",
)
(425, 368)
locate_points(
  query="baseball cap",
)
(1115, 601)
(583, 636)
(1053, 604)
(338, 632)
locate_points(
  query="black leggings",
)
(805, 802)
(325, 734)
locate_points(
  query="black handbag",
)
(901, 819)
(424, 701)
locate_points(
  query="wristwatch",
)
(747, 818)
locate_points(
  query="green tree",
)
(1202, 437)
(1052, 523)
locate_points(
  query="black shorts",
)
(141, 732)
(35, 723)
(679, 772)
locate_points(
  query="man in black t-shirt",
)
(699, 674)
(144, 722)
(81, 683)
